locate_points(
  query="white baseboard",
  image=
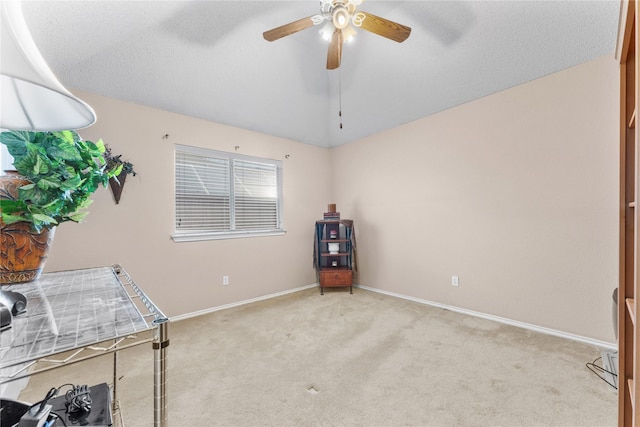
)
(548, 331)
(239, 303)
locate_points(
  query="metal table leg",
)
(114, 404)
(160, 374)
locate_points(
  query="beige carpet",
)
(354, 360)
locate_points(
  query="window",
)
(226, 195)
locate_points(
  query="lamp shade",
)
(31, 97)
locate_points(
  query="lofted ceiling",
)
(208, 59)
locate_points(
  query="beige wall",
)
(515, 193)
(187, 277)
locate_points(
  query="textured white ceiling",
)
(207, 59)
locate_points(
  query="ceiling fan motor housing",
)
(344, 13)
(341, 17)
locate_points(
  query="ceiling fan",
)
(340, 16)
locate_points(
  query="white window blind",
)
(222, 195)
(255, 195)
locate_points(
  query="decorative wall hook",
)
(115, 162)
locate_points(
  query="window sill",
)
(195, 237)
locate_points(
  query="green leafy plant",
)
(63, 171)
(116, 164)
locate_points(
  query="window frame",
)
(191, 236)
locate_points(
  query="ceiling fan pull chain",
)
(340, 95)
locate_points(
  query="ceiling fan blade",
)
(385, 28)
(335, 50)
(288, 29)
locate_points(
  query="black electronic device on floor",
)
(16, 413)
(11, 411)
(59, 410)
(98, 416)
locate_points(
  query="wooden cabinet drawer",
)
(336, 277)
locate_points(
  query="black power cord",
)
(600, 371)
(78, 399)
(53, 392)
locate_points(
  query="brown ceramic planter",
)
(22, 252)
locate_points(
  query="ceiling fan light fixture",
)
(341, 17)
(348, 34)
(326, 32)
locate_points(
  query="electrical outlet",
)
(454, 281)
(225, 280)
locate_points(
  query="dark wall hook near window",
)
(116, 164)
(117, 184)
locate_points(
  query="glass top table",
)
(74, 309)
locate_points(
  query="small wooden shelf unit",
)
(335, 269)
